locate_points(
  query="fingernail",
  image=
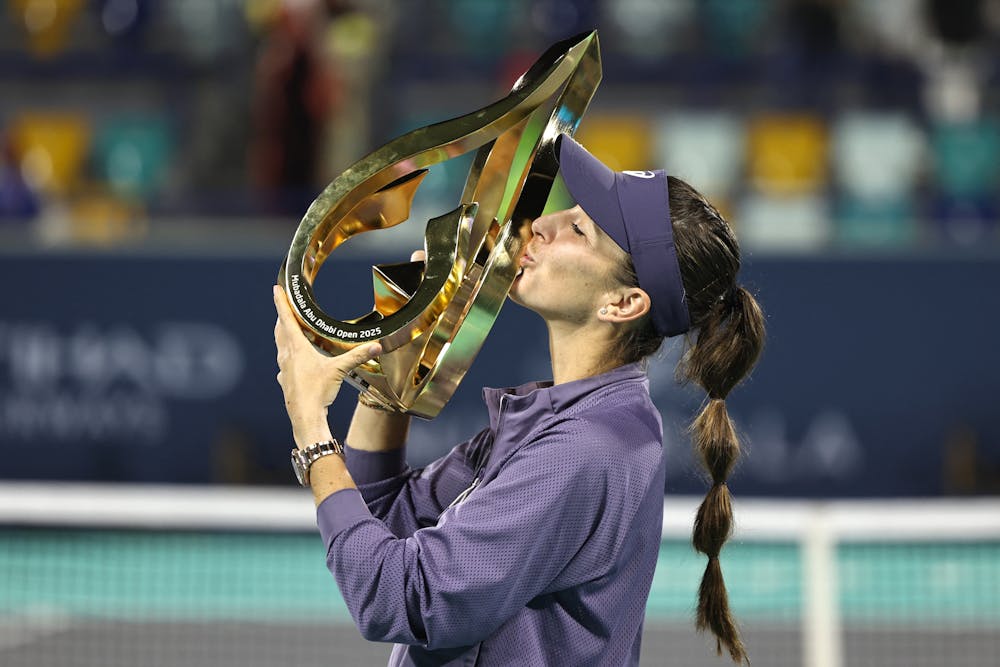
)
(375, 350)
(275, 289)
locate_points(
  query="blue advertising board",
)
(879, 378)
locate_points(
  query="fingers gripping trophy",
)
(431, 317)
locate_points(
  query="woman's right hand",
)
(309, 379)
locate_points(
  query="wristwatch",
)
(302, 459)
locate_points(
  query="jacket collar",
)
(533, 400)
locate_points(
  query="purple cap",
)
(632, 207)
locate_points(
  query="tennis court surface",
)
(160, 576)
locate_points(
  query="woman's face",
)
(566, 267)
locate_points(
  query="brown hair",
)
(726, 339)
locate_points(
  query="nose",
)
(536, 227)
(544, 226)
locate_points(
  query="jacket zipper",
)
(482, 459)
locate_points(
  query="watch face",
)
(300, 470)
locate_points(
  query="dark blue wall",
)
(162, 369)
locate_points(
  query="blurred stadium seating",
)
(132, 154)
(779, 110)
(51, 149)
(877, 162)
(621, 141)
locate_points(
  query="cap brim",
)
(593, 186)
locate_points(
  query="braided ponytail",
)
(728, 326)
(728, 344)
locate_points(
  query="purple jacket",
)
(547, 561)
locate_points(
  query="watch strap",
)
(302, 459)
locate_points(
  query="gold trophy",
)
(432, 317)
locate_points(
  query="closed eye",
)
(576, 228)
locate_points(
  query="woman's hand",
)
(309, 379)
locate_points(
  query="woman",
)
(535, 541)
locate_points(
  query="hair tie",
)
(730, 296)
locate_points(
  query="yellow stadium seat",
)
(787, 154)
(47, 22)
(103, 219)
(620, 141)
(51, 149)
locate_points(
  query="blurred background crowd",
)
(157, 156)
(814, 124)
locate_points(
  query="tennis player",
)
(534, 542)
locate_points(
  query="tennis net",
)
(122, 576)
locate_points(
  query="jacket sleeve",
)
(407, 499)
(455, 583)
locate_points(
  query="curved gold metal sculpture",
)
(432, 317)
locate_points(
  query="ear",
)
(625, 305)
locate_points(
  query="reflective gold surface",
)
(432, 317)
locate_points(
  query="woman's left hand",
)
(309, 379)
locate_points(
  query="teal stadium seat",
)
(967, 157)
(132, 154)
(876, 222)
(878, 158)
(733, 25)
(966, 160)
(484, 27)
